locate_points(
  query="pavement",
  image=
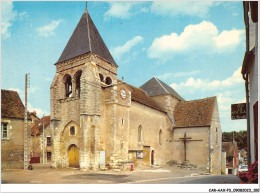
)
(44, 174)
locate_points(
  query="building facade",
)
(98, 120)
(41, 137)
(250, 75)
(12, 130)
(232, 159)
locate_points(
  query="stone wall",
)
(152, 121)
(197, 151)
(215, 141)
(223, 162)
(81, 112)
(12, 148)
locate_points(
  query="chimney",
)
(19, 103)
(234, 137)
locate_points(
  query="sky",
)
(195, 47)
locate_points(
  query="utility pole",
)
(25, 127)
(43, 140)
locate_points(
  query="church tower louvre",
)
(84, 66)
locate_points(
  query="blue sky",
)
(195, 47)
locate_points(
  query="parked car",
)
(243, 168)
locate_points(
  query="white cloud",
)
(8, 15)
(123, 10)
(167, 75)
(23, 15)
(119, 51)
(20, 92)
(49, 79)
(175, 8)
(200, 38)
(192, 85)
(30, 108)
(48, 30)
(39, 111)
(32, 89)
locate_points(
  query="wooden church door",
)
(73, 156)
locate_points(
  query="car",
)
(243, 168)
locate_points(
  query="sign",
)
(238, 111)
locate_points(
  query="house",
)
(99, 120)
(41, 136)
(242, 154)
(232, 159)
(250, 75)
(12, 130)
(34, 118)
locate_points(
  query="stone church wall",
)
(152, 121)
(168, 102)
(197, 151)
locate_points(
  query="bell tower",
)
(83, 67)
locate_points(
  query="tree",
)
(240, 138)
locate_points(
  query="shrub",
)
(251, 176)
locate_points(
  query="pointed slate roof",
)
(84, 39)
(156, 87)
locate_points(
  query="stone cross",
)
(186, 139)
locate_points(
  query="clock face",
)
(123, 94)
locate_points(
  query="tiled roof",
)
(140, 96)
(156, 87)
(228, 147)
(11, 105)
(84, 39)
(37, 128)
(194, 113)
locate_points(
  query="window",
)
(108, 81)
(68, 85)
(101, 77)
(48, 141)
(48, 156)
(139, 138)
(77, 77)
(4, 130)
(139, 154)
(72, 130)
(122, 121)
(160, 137)
(216, 135)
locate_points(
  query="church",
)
(99, 121)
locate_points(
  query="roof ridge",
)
(200, 99)
(162, 85)
(9, 90)
(88, 31)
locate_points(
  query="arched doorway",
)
(73, 156)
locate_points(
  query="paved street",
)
(167, 175)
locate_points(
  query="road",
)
(170, 175)
(221, 179)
